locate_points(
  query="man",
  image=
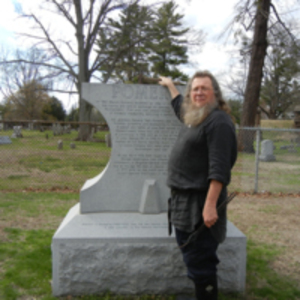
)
(198, 172)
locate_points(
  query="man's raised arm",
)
(167, 82)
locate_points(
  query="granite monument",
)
(116, 238)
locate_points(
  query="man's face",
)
(202, 91)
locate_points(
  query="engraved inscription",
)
(141, 128)
(133, 225)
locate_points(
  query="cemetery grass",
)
(34, 161)
(29, 220)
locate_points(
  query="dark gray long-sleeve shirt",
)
(201, 153)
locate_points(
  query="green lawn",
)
(34, 162)
(29, 220)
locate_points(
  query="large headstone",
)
(117, 237)
(143, 129)
(267, 149)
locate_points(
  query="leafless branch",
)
(281, 22)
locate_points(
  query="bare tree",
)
(86, 18)
(16, 71)
(256, 15)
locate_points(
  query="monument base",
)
(131, 253)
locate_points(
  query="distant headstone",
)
(30, 126)
(267, 148)
(60, 145)
(91, 137)
(5, 140)
(67, 129)
(72, 145)
(57, 129)
(17, 132)
(108, 140)
(117, 239)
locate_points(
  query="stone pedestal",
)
(131, 253)
(116, 239)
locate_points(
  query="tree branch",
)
(53, 44)
(282, 23)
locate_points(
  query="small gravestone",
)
(30, 126)
(60, 145)
(54, 129)
(267, 148)
(17, 132)
(72, 145)
(108, 140)
(91, 134)
(67, 129)
(57, 129)
(5, 140)
(116, 239)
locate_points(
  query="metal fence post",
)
(257, 160)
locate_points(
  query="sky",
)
(212, 16)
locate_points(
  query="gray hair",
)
(216, 87)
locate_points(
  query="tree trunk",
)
(84, 107)
(259, 48)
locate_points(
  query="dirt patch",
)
(274, 221)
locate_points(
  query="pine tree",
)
(132, 35)
(170, 45)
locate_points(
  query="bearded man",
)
(199, 171)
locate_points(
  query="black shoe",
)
(207, 291)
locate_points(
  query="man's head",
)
(201, 91)
(203, 94)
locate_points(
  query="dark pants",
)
(200, 258)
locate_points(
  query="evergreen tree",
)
(55, 109)
(131, 35)
(170, 45)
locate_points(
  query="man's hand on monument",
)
(167, 82)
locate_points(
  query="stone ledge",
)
(131, 253)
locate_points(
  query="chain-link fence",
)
(36, 162)
(268, 161)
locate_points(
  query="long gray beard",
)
(193, 115)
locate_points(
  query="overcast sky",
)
(211, 16)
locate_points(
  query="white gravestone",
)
(117, 237)
(267, 149)
(17, 132)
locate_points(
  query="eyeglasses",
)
(203, 89)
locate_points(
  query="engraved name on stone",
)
(133, 225)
